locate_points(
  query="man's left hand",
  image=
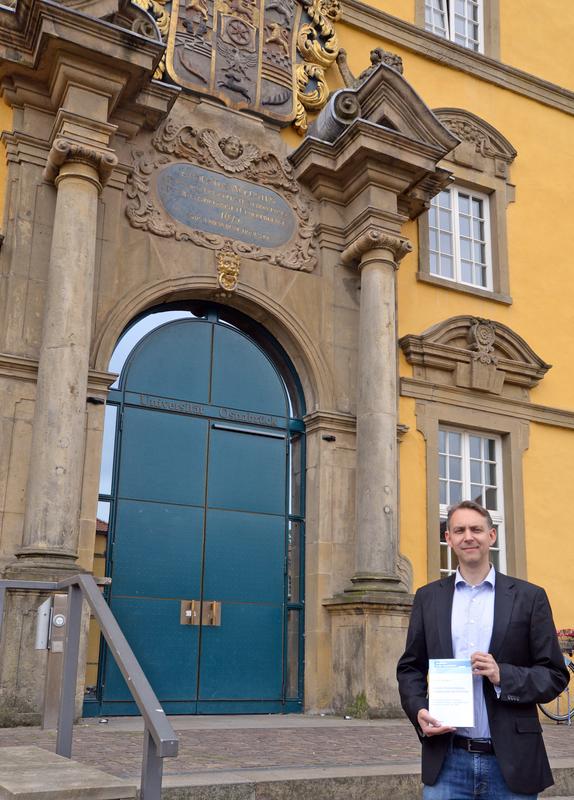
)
(485, 665)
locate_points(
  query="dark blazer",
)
(532, 670)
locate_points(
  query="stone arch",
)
(311, 367)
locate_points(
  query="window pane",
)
(476, 493)
(476, 471)
(455, 493)
(447, 267)
(463, 204)
(434, 264)
(108, 445)
(442, 466)
(445, 220)
(490, 474)
(446, 243)
(466, 272)
(294, 562)
(454, 442)
(295, 455)
(293, 622)
(455, 468)
(491, 449)
(491, 499)
(475, 446)
(495, 558)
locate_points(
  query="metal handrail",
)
(160, 740)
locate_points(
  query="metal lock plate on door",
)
(194, 612)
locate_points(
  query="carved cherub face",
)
(231, 147)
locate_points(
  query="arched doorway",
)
(201, 494)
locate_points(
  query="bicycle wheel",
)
(561, 709)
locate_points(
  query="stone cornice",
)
(384, 26)
(63, 150)
(375, 239)
(330, 420)
(24, 368)
(420, 389)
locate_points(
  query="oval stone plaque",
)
(213, 203)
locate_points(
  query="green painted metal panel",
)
(246, 471)
(163, 457)
(172, 361)
(158, 550)
(243, 376)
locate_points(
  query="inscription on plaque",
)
(207, 201)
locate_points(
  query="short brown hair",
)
(473, 507)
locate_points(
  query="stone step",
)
(396, 782)
(32, 773)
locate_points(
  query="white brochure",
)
(450, 692)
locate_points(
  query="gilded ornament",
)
(228, 270)
(318, 45)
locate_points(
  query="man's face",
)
(470, 538)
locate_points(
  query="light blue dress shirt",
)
(471, 629)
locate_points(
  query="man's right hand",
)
(431, 726)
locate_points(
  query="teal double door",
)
(199, 524)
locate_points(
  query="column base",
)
(367, 638)
(33, 563)
(367, 584)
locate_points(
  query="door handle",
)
(194, 612)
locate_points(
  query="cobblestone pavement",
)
(208, 745)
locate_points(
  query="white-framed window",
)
(461, 21)
(470, 468)
(459, 237)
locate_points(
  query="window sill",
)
(462, 287)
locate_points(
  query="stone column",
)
(53, 496)
(377, 254)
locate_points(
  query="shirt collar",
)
(490, 578)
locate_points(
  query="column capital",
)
(375, 239)
(63, 150)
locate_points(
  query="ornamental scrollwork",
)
(156, 10)
(223, 154)
(481, 340)
(318, 46)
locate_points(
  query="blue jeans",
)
(471, 776)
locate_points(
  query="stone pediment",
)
(386, 98)
(474, 353)
(485, 139)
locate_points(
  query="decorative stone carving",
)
(103, 161)
(376, 239)
(474, 353)
(377, 56)
(246, 52)
(481, 338)
(228, 270)
(258, 173)
(469, 128)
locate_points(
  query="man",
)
(505, 627)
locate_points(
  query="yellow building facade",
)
(335, 290)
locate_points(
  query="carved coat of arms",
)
(241, 51)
